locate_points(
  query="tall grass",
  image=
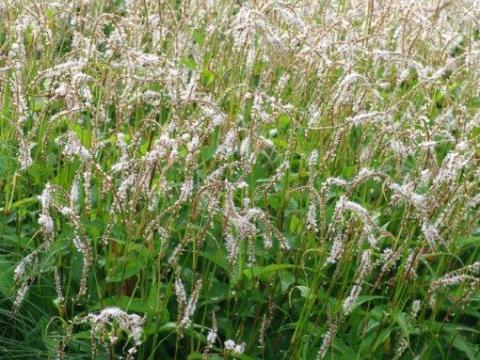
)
(239, 179)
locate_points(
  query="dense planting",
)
(239, 179)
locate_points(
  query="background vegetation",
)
(239, 179)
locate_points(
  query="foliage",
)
(239, 179)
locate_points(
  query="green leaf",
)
(401, 320)
(471, 350)
(469, 241)
(195, 356)
(189, 63)
(171, 328)
(6, 280)
(207, 152)
(304, 290)
(207, 77)
(365, 298)
(125, 303)
(198, 36)
(295, 223)
(264, 271)
(120, 273)
(346, 351)
(216, 259)
(286, 279)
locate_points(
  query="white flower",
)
(312, 217)
(132, 324)
(74, 192)
(24, 156)
(21, 268)
(46, 222)
(416, 306)
(236, 348)
(72, 146)
(431, 234)
(21, 293)
(229, 344)
(352, 298)
(180, 293)
(46, 197)
(186, 191)
(211, 336)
